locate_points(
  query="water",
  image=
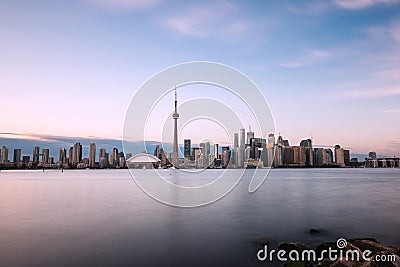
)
(100, 217)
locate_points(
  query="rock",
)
(288, 246)
(375, 247)
(298, 264)
(324, 246)
(342, 263)
(314, 231)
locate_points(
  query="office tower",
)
(92, 155)
(175, 116)
(203, 153)
(329, 156)
(242, 137)
(76, 154)
(17, 155)
(4, 154)
(186, 148)
(71, 154)
(372, 154)
(196, 152)
(103, 158)
(63, 155)
(346, 156)
(225, 157)
(208, 150)
(307, 144)
(278, 156)
(271, 139)
(255, 145)
(35, 155)
(319, 157)
(216, 152)
(250, 135)
(235, 140)
(122, 162)
(240, 157)
(102, 152)
(45, 155)
(263, 152)
(339, 156)
(115, 158)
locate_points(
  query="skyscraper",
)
(186, 148)
(235, 140)
(4, 154)
(339, 156)
(17, 155)
(216, 152)
(92, 155)
(242, 138)
(250, 135)
(63, 155)
(45, 155)
(77, 153)
(115, 157)
(35, 155)
(175, 116)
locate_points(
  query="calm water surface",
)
(101, 217)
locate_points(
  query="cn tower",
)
(175, 116)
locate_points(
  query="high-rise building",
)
(242, 138)
(319, 157)
(115, 158)
(250, 135)
(225, 157)
(92, 155)
(45, 155)
(76, 154)
(271, 139)
(216, 152)
(329, 156)
(4, 154)
(63, 155)
(103, 158)
(71, 155)
(339, 156)
(186, 148)
(307, 144)
(17, 155)
(235, 140)
(35, 155)
(175, 116)
(156, 152)
(346, 155)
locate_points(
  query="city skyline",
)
(69, 69)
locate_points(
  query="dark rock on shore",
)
(298, 264)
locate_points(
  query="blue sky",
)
(329, 69)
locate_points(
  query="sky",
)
(329, 69)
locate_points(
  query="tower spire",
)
(175, 116)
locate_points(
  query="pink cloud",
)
(360, 4)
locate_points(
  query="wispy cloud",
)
(360, 4)
(392, 110)
(309, 57)
(374, 92)
(208, 20)
(293, 64)
(124, 4)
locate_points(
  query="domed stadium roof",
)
(143, 158)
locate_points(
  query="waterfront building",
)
(339, 156)
(35, 155)
(186, 148)
(235, 140)
(216, 152)
(17, 155)
(62, 156)
(346, 155)
(250, 135)
(45, 155)
(175, 116)
(115, 158)
(92, 155)
(4, 154)
(372, 154)
(242, 138)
